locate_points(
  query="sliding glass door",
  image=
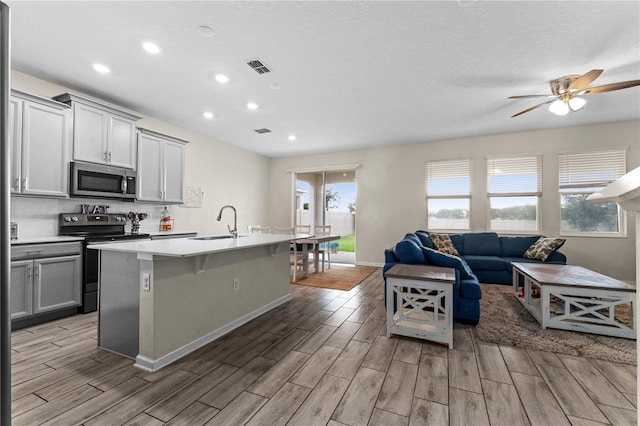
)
(329, 198)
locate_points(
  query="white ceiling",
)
(350, 74)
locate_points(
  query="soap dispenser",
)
(165, 220)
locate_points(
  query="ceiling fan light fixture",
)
(559, 107)
(576, 104)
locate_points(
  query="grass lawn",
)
(347, 243)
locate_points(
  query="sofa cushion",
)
(516, 246)
(517, 259)
(482, 243)
(443, 243)
(438, 258)
(407, 251)
(458, 242)
(486, 263)
(414, 238)
(543, 248)
(424, 238)
(470, 289)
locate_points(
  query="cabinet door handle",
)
(18, 183)
(29, 271)
(24, 182)
(105, 157)
(109, 157)
(37, 272)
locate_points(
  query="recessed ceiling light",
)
(205, 31)
(221, 78)
(207, 115)
(292, 138)
(252, 105)
(102, 69)
(151, 47)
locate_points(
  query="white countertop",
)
(170, 233)
(185, 247)
(42, 240)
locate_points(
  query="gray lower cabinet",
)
(21, 288)
(45, 278)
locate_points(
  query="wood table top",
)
(421, 272)
(570, 276)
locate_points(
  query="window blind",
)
(591, 169)
(448, 178)
(514, 175)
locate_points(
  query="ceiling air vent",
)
(261, 131)
(258, 66)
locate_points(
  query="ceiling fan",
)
(566, 92)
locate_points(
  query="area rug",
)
(338, 277)
(505, 321)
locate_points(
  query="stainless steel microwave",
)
(97, 180)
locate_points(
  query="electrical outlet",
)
(236, 284)
(146, 282)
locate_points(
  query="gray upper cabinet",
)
(102, 134)
(160, 167)
(40, 132)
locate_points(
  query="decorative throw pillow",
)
(443, 243)
(543, 248)
(438, 258)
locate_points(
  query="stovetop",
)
(96, 227)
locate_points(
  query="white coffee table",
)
(574, 298)
(424, 302)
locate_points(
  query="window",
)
(448, 188)
(514, 188)
(581, 175)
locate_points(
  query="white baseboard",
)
(375, 264)
(149, 364)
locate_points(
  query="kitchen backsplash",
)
(38, 217)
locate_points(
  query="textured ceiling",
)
(350, 74)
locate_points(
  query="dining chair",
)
(298, 259)
(260, 229)
(279, 230)
(303, 229)
(323, 231)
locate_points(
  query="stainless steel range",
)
(96, 229)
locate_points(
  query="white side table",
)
(424, 302)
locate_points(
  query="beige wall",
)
(390, 188)
(226, 174)
(390, 195)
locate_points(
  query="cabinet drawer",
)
(37, 251)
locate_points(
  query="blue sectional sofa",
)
(484, 257)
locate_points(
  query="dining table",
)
(316, 241)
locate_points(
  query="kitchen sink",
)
(214, 237)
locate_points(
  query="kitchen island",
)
(162, 299)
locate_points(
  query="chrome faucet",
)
(234, 231)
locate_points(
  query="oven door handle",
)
(124, 185)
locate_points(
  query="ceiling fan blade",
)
(532, 108)
(612, 86)
(530, 96)
(584, 80)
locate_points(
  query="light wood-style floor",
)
(323, 358)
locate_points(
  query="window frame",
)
(588, 189)
(464, 196)
(538, 193)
